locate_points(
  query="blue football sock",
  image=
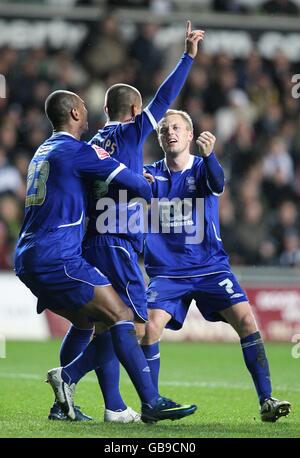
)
(84, 363)
(132, 358)
(257, 364)
(108, 373)
(152, 356)
(75, 341)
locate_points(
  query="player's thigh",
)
(82, 290)
(168, 303)
(105, 309)
(68, 286)
(78, 318)
(106, 306)
(116, 258)
(215, 293)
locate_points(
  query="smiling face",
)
(175, 134)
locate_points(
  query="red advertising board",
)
(277, 310)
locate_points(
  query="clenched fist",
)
(206, 142)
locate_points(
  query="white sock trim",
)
(123, 322)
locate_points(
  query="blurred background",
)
(242, 87)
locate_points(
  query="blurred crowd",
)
(248, 104)
(285, 7)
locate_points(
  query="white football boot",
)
(63, 392)
(126, 416)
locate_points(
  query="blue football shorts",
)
(117, 259)
(67, 286)
(212, 294)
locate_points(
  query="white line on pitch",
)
(203, 384)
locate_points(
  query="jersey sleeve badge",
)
(101, 153)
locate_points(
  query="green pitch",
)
(212, 376)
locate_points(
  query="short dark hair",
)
(119, 99)
(58, 107)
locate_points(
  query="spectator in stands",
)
(10, 178)
(11, 215)
(290, 256)
(278, 173)
(147, 55)
(5, 248)
(104, 50)
(251, 222)
(229, 6)
(280, 7)
(285, 219)
(261, 149)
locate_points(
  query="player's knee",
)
(152, 334)
(140, 333)
(124, 314)
(247, 323)
(140, 330)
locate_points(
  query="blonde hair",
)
(185, 116)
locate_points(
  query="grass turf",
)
(211, 375)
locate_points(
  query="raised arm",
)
(171, 87)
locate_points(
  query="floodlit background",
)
(245, 88)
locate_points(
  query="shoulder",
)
(198, 161)
(59, 148)
(155, 167)
(92, 151)
(197, 164)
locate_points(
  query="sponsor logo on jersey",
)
(236, 295)
(160, 178)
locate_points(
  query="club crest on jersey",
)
(152, 296)
(101, 153)
(190, 182)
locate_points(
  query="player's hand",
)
(192, 38)
(206, 142)
(149, 177)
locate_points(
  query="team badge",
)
(191, 185)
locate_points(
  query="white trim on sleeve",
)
(151, 117)
(215, 193)
(115, 173)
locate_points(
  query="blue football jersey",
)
(58, 177)
(124, 141)
(183, 238)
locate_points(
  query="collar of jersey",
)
(116, 123)
(62, 132)
(187, 167)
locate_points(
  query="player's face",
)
(83, 115)
(174, 135)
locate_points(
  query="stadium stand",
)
(245, 99)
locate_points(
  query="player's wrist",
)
(208, 155)
(187, 54)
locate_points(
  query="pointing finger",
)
(188, 28)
